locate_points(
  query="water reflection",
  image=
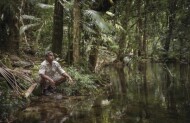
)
(148, 93)
(122, 79)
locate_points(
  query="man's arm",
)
(63, 72)
(67, 76)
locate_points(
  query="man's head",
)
(49, 56)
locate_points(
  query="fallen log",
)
(30, 90)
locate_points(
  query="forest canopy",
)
(83, 31)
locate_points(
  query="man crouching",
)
(51, 74)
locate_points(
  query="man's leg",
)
(44, 86)
(57, 82)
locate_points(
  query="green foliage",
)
(43, 35)
(84, 83)
(9, 102)
(98, 20)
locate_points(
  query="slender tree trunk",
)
(14, 37)
(122, 78)
(145, 29)
(139, 29)
(122, 40)
(93, 56)
(76, 31)
(171, 18)
(122, 46)
(3, 35)
(10, 28)
(69, 57)
(57, 37)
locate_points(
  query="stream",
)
(141, 93)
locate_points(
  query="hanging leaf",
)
(98, 20)
(44, 6)
(88, 29)
(29, 17)
(110, 13)
(26, 27)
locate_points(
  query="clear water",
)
(144, 93)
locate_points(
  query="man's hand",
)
(71, 81)
(52, 81)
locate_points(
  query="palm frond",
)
(19, 82)
(88, 29)
(10, 78)
(98, 20)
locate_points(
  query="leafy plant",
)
(84, 83)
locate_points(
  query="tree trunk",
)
(171, 18)
(57, 28)
(122, 40)
(122, 78)
(69, 57)
(122, 46)
(76, 31)
(139, 29)
(145, 29)
(14, 37)
(9, 29)
(93, 57)
(3, 35)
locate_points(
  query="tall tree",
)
(171, 22)
(146, 3)
(76, 30)
(9, 23)
(93, 56)
(125, 24)
(57, 37)
(139, 28)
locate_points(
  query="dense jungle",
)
(129, 61)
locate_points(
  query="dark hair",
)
(47, 53)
